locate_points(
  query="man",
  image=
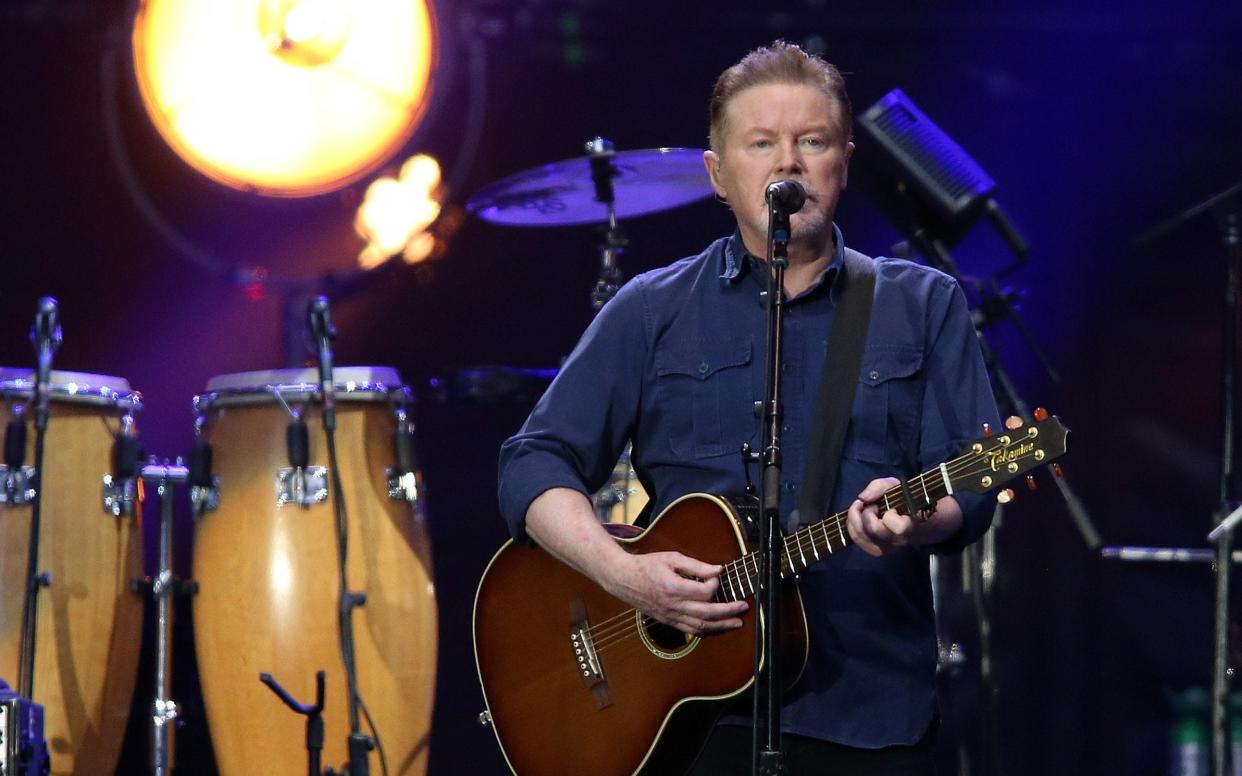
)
(675, 363)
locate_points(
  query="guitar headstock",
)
(994, 459)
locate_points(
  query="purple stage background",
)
(1096, 119)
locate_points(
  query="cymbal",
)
(562, 193)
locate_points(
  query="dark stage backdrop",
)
(1097, 120)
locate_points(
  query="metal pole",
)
(163, 586)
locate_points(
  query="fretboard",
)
(812, 543)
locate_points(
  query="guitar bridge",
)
(586, 659)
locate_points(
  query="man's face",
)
(780, 131)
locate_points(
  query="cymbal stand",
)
(600, 153)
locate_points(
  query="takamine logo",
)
(1011, 454)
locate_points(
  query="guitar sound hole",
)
(664, 636)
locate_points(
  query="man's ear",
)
(849, 154)
(711, 161)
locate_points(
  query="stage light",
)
(284, 97)
(396, 213)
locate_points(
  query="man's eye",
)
(813, 142)
(761, 143)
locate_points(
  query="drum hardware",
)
(314, 718)
(19, 485)
(23, 752)
(404, 478)
(120, 488)
(18, 480)
(204, 486)
(164, 710)
(301, 485)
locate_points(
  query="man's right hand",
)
(676, 590)
(671, 587)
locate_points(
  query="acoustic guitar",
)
(578, 682)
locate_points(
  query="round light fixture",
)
(284, 97)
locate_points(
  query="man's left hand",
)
(879, 531)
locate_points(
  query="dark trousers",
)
(728, 753)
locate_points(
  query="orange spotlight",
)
(284, 97)
(396, 213)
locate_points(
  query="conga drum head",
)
(266, 564)
(89, 619)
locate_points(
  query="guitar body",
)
(577, 682)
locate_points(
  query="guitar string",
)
(621, 626)
(609, 632)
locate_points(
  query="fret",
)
(944, 475)
(823, 527)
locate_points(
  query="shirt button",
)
(703, 367)
(791, 486)
(874, 375)
(786, 428)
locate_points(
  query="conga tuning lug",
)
(119, 494)
(402, 487)
(205, 499)
(304, 486)
(17, 486)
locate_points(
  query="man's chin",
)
(814, 230)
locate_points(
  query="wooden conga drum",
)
(89, 619)
(267, 574)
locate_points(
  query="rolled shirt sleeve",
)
(579, 427)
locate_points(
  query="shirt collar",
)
(735, 257)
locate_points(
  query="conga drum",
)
(265, 559)
(89, 618)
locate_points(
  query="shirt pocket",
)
(884, 425)
(705, 394)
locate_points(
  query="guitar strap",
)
(838, 385)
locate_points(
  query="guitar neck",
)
(985, 465)
(812, 543)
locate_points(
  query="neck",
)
(807, 260)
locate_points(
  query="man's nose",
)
(790, 161)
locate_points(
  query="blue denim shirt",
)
(675, 363)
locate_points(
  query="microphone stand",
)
(46, 337)
(359, 744)
(768, 758)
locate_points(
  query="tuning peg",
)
(1013, 423)
(987, 430)
(1005, 496)
(1041, 414)
(1056, 469)
(1030, 482)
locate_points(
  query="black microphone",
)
(46, 328)
(323, 332)
(786, 196)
